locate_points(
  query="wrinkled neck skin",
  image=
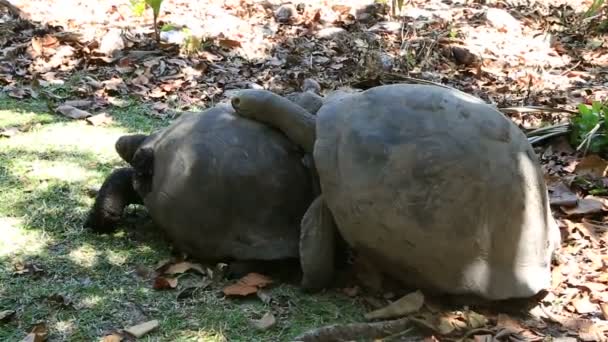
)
(264, 106)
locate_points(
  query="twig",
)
(588, 136)
(534, 109)
(561, 127)
(356, 331)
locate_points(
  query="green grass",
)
(46, 172)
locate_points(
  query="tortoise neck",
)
(288, 117)
(291, 119)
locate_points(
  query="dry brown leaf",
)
(39, 333)
(27, 268)
(515, 327)
(406, 305)
(81, 104)
(582, 304)
(31, 337)
(111, 338)
(604, 309)
(189, 291)
(442, 324)
(100, 119)
(184, 266)
(587, 205)
(229, 43)
(247, 285)
(9, 132)
(142, 329)
(256, 279)
(73, 112)
(266, 322)
(239, 290)
(60, 299)
(561, 195)
(17, 93)
(592, 165)
(557, 276)
(475, 320)
(163, 283)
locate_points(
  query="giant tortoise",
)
(438, 189)
(220, 186)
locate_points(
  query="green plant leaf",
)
(138, 7)
(155, 4)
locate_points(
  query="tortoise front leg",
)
(115, 194)
(317, 246)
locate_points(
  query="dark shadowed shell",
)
(228, 187)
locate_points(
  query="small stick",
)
(356, 331)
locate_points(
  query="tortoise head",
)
(253, 103)
(127, 145)
(278, 112)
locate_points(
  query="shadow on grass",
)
(106, 280)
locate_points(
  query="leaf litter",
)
(540, 54)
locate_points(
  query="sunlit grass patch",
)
(14, 240)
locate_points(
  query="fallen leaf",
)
(73, 112)
(561, 195)
(587, 205)
(184, 266)
(475, 320)
(9, 132)
(160, 106)
(256, 279)
(229, 43)
(557, 276)
(38, 333)
(31, 337)
(60, 299)
(6, 315)
(592, 165)
(17, 93)
(604, 308)
(100, 119)
(445, 326)
(81, 104)
(190, 290)
(515, 327)
(266, 322)
(163, 283)
(247, 285)
(264, 296)
(583, 305)
(442, 324)
(140, 330)
(27, 268)
(407, 304)
(111, 338)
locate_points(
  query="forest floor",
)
(76, 75)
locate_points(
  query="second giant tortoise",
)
(220, 186)
(435, 187)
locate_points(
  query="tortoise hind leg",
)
(317, 246)
(114, 195)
